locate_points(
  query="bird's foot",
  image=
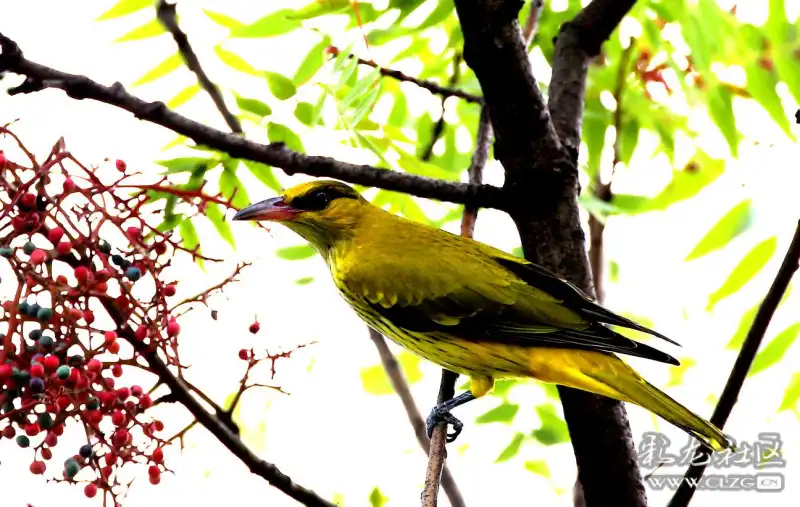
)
(442, 415)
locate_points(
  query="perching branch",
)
(398, 380)
(166, 14)
(40, 77)
(438, 453)
(741, 367)
(444, 91)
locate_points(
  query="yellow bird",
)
(469, 307)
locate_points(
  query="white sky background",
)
(329, 435)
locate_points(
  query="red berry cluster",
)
(70, 317)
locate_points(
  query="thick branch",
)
(40, 77)
(167, 16)
(577, 44)
(743, 362)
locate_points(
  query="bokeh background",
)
(341, 431)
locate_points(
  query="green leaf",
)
(254, 106)
(538, 467)
(235, 61)
(184, 96)
(152, 28)
(278, 133)
(762, 84)
(280, 86)
(217, 218)
(685, 184)
(753, 262)
(189, 235)
(745, 322)
(170, 64)
(123, 8)
(223, 19)
(554, 429)
(304, 112)
(187, 164)
(313, 61)
(305, 280)
(629, 137)
(676, 373)
(376, 498)
(271, 25)
(720, 107)
(296, 253)
(320, 8)
(264, 174)
(733, 223)
(231, 188)
(375, 380)
(512, 449)
(502, 386)
(775, 349)
(504, 412)
(791, 394)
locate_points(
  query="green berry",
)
(44, 314)
(28, 248)
(92, 404)
(63, 372)
(23, 307)
(46, 342)
(35, 334)
(45, 420)
(6, 251)
(71, 467)
(104, 246)
(23, 441)
(33, 310)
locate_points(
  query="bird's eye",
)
(315, 201)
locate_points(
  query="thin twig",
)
(532, 23)
(601, 189)
(438, 453)
(444, 91)
(438, 128)
(741, 367)
(398, 380)
(40, 77)
(166, 14)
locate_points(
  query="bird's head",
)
(323, 212)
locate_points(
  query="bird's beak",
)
(274, 209)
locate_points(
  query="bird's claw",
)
(437, 417)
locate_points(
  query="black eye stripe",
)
(319, 198)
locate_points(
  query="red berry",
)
(153, 471)
(54, 234)
(158, 455)
(90, 490)
(47, 453)
(170, 290)
(69, 185)
(51, 362)
(3, 159)
(145, 401)
(110, 337)
(38, 257)
(158, 425)
(9, 432)
(116, 370)
(106, 472)
(32, 429)
(137, 391)
(155, 479)
(58, 429)
(254, 327)
(121, 438)
(88, 316)
(160, 248)
(173, 328)
(244, 354)
(110, 458)
(62, 402)
(82, 274)
(38, 467)
(51, 439)
(121, 165)
(118, 418)
(133, 232)
(94, 365)
(64, 247)
(141, 332)
(37, 370)
(27, 201)
(5, 371)
(113, 347)
(123, 393)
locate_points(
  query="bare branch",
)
(532, 22)
(742, 365)
(40, 77)
(166, 14)
(444, 91)
(438, 128)
(400, 385)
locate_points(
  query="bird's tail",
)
(608, 375)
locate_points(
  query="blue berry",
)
(36, 385)
(28, 248)
(133, 274)
(85, 451)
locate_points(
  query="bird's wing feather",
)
(479, 297)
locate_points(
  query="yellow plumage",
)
(469, 307)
